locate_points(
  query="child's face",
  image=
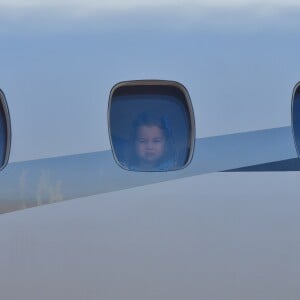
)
(150, 144)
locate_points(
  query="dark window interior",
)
(296, 118)
(4, 131)
(128, 103)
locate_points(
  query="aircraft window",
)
(296, 116)
(5, 133)
(151, 125)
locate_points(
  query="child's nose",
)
(150, 145)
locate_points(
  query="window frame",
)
(7, 120)
(296, 88)
(155, 82)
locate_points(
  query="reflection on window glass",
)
(151, 126)
(4, 131)
(296, 117)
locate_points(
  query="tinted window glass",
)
(151, 126)
(296, 116)
(4, 131)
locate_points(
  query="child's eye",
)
(157, 140)
(141, 141)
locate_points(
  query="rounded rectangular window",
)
(5, 131)
(296, 116)
(151, 125)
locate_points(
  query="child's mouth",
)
(150, 154)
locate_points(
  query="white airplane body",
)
(223, 227)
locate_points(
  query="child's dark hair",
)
(149, 118)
